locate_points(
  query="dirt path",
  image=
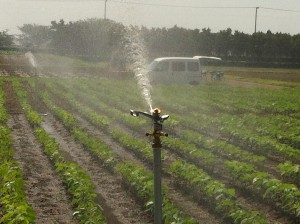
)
(245, 198)
(44, 190)
(118, 205)
(187, 205)
(11, 101)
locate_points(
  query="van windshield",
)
(152, 66)
(159, 66)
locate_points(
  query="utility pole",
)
(256, 8)
(105, 9)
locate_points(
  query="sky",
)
(274, 15)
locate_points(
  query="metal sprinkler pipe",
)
(36, 88)
(156, 145)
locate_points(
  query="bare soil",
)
(44, 190)
(43, 187)
(200, 212)
(197, 210)
(48, 196)
(189, 206)
(118, 204)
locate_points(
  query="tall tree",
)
(206, 42)
(240, 44)
(34, 36)
(223, 42)
(6, 40)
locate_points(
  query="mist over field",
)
(82, 113)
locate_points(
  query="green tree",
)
(34, 36)
(206, 42)
(89, 38)
(6, 40)
(284, 45)
(223, 42)
(240, 44)
(296, 46)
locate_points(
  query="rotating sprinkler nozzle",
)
(157, 122)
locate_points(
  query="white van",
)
(176, 69)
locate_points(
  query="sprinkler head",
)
(164, 117)
(134, 113)
(157, 124)
(155, 111)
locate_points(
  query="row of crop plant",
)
(14, 207)
(258, 144)
(285, 128)
(290, 170)
(204, 104)
(230, 129)
(211, 158)
(288, 195)
(233, 211)
(128, 141)
(141, 147)
(219, 123)
(139, 180)
(243, 138)
(205, 122)
(78, 183)
(206, 98)
(235, 100)
(189, 104)
(90, 99)
(285, 196)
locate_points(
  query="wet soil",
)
(198, 211)
(187, 205)
(118, 204)
(201, 213)
(43, 188)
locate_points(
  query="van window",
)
(178, 66)
(193, 66)
(163, 66)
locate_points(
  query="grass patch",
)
(263, 81)
(51, 59)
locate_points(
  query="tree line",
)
(98, 39)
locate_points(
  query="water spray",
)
(156, 145)
(136, 54)
(35, 74)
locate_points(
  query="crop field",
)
(71, 152)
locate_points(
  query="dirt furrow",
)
(118, 204)
(44, 190)
(251, 204)
(188, 206)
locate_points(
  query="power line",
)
(182, 6)
(174, 6)
(276, 9)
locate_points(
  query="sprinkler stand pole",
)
(156, 145)
(157, 180)
(36, 89)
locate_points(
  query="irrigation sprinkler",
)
(36, 89)
(156, 145)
